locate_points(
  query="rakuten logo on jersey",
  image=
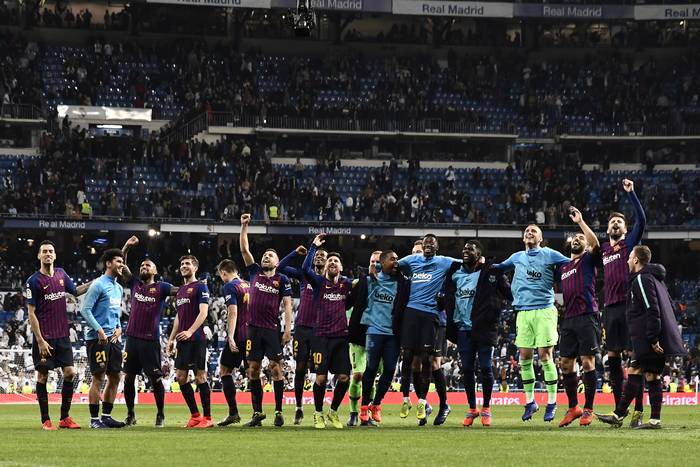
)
(610, 259)
(53, 296)
(266, 288)
(333, 297)
(421, 277)
(144, 298)
(182, 301)
(568, 274)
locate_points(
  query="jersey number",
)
(296, 346)
(248, 345)
(318, 358)
(100, 356)
(126, 354)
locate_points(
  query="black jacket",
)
(357, 332)
(491, 289)
(650, 315)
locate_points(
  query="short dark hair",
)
(477, 244)
(532, 224)
(319, 249)
(430, 235)
(643, 254)
(228, 265)
(272, 250)
(385, 254)
(47, 242)
(336, 254)
(110, 254)
(617, 214)
(192, 258)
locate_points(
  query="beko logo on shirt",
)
(383, 297)
(534, 275)
(610, 259)
(421, 277)
(333, 297)
(144, 298)
(54, 296)
(568, 274)
(466, 293)
(182, 301)
(266, 288)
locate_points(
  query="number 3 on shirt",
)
(100, 356)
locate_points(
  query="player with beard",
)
(142, 348)
(192, 303)
(45, 293)
(420, 320)
(615, 277)
(268, 288)
(536, 321)
(236, 297)
(407, 357)
(331, 351)
(474, 294)
(304, 319)
(579, 328)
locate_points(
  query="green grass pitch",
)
(398, 442)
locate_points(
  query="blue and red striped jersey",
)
(266, 293)
(147, 303)
(306, 313)
(48, 295)
(236, 293)
(187, 302)
(615, 269)
(578, 285)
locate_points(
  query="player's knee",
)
(68, 374)
(357, 377)
(129, 379)
(588, 363)
(652, 376)
(343, 378)
(436, 363)
(200, 378)
(225, 371)
(321, 380)
(42, 377)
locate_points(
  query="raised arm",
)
(285, 265)
(314, 279)
(506, 265)
(82, 289)
(640, 220)
(243, 240)
(591, 237)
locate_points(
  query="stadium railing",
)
(20, 112)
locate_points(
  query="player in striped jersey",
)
(268, 288)
(142, 348)
(232, 356)
(45, 292)
(331, 352)
(616, 273)
(192, 304)
(304, 320)
(580, 329)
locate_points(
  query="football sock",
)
(205, 396)
(366, 385)
(159, 394)
(628, 393)
(440, 387)
(406, 375)
(129, 393)
(94, 411)
(66, 398)
(341, 387)
(527, 374)
(570, 381)
(355, 391)
(299, 380)
(229, 389)
(655, 398)
(590, 384)
(551, 379)
(418, 383)
(107, 408)
(278, 388)
(616, 380)
(319, 393)
(43, 397)
(487, 385)
(639, 398)
(188, 395)
(469, 387)
(256, 394)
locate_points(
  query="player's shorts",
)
(231, 359)
(331, 354)
(142, 355)
(191, 355)
(418, 331)
(579, 335)
(263, 342)
(61, 355)
(303, 343)
(650, 364)
(615, 331)
(440, 349)
(536, 328)
(104, 358)
(358, 358)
